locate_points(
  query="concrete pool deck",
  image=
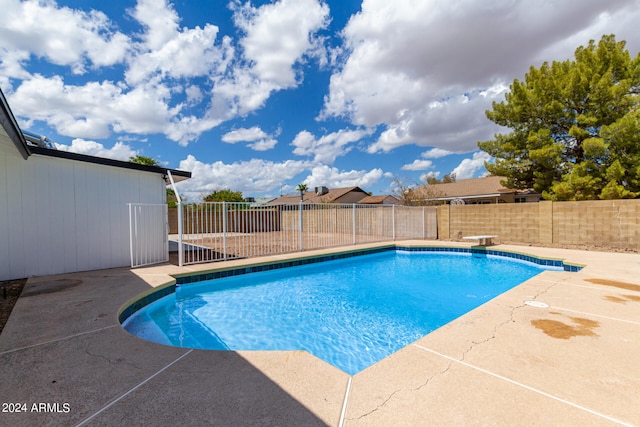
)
(67, 361)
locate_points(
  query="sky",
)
(262, 96)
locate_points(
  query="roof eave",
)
(178, 175)
(10, 125)
(476, 196)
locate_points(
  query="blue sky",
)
(261, 96)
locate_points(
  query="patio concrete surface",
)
(66, 360)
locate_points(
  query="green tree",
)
(224, 196)
(302, 188)
(144, 160)
(572, 126)
(172, 199)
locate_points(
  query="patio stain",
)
(561, 330)
(613, 298)
(50, 287)
(294, 354)
(622, 299)
(614, 283)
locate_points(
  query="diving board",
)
(482, 240)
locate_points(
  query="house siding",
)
(59, 215)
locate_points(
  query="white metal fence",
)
(222, 231)
(148, 234)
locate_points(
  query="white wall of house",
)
(60, 215)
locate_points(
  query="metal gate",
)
(148, 234)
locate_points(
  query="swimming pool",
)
(350, 312)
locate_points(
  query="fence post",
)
(393, 222)
(300, 226)
(355, 240)
(424, 227)
(225, 224)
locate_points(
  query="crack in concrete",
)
(111, 362)
(465, 352)
(509, 320)
(388, 399)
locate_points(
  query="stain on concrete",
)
(616, 284)
(40, 288)
(623, 299)
(99, 317)
(561, 330)
(616, 299)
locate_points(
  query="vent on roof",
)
(321, 190)
(36, 140)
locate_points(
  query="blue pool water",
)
(350, 312)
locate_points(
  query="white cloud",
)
(418, 165)
(456, 124)
(258, 140)
(277, 37)
(334, 178)
(436, 153)
(91, 110)
(425, 71)
(146, 105)
(173, 52)
(468, 167)
(416, 72)
(64, 36)
(96, 109)
(120, 151)
(11, 66)
(194, 94)
(250, 177)
(160, 20)
(263, 144)
(327, 148)
(244, 135)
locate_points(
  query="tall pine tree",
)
(575, 126)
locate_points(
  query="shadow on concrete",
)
(66, 360)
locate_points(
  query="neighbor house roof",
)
(466, 188)
(378, 200)
(330, 196)
(488, 186)
(14, 133)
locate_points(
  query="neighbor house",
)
(484, 190)
(385, 199)
(64, 212)
(324, 195)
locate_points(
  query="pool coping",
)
(491, 366)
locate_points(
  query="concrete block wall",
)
(606, 223)
(600, 223)
(521, 221)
